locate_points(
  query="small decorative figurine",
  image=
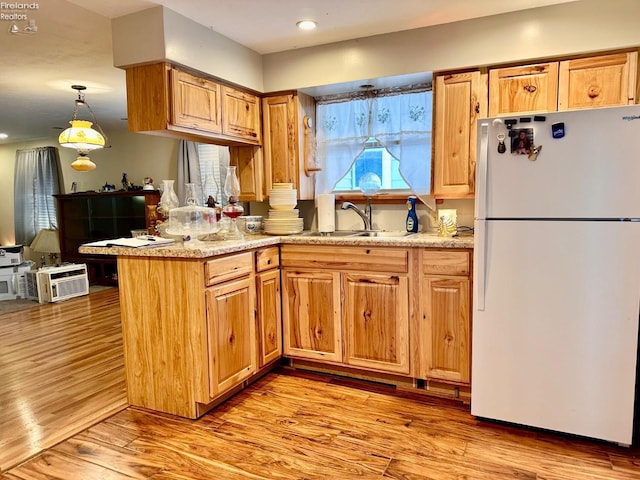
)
(533, 154)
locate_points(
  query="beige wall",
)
(136, 154)
(158, 33)
(569, 28)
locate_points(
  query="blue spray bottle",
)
(412, 216)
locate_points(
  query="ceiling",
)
(72, 45)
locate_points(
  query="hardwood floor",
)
(288, 425)
(61, 370)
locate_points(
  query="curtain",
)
(37, 177)
(399, 122)
(188, 169)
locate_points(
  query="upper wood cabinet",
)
(460, 99)
(525, 89)
(195, 102)
(289, 146)
(164, 100)
(589, 82)
(602, 81)
(241, 116)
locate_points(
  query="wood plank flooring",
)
(61, 370)
(288, 425)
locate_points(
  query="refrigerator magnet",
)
(557, 130)
(501, 146)
(522, 142)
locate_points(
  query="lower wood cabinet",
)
(394, 311)
(376, 321)
(233, 355)
(445, 290)
(347, 305)
(197, 330)
(269, 305)
(311, 314)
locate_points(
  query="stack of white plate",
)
(283, 215)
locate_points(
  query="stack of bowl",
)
(283, 214)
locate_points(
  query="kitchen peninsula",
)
(200, 323)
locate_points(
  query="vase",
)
(169, 199)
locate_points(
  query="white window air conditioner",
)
(54, 284)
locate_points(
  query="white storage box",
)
(11, 256)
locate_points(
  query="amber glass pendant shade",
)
(83, 164)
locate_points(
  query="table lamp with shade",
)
(47, 241)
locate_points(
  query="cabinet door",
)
(460, 99)
(249, 163)
(446, 317)
(376, 321)
(280, 139)
(269, 316)
(195, 102)
(527, 89)
(603, 81)
(231, 335)
(311, 315)
(241, 116)
(289, 144)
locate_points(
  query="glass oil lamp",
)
(233, 209)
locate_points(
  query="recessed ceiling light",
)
(306, 24)
(3, 136)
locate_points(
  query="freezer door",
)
(554, 344)
(593, 172)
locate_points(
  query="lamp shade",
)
(83, 164)
(46, 241)
(81, 136)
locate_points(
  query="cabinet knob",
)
(530, 88)
(593, 92)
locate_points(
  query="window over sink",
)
(381, 132)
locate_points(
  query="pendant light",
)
(83, 163)
(81, 136)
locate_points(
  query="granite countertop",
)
(220, 247)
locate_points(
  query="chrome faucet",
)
(366, 215)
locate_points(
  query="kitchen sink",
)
(360, 233)
(384, 234)
(337, 233)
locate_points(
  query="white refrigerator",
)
(557, 271)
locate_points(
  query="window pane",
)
(373, 160)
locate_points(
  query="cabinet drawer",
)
(441, 262)
(267, 258)
(362, 259)
(225, 268)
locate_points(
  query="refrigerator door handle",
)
(480, 256)
(481, 172)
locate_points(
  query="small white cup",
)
(251, 224)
